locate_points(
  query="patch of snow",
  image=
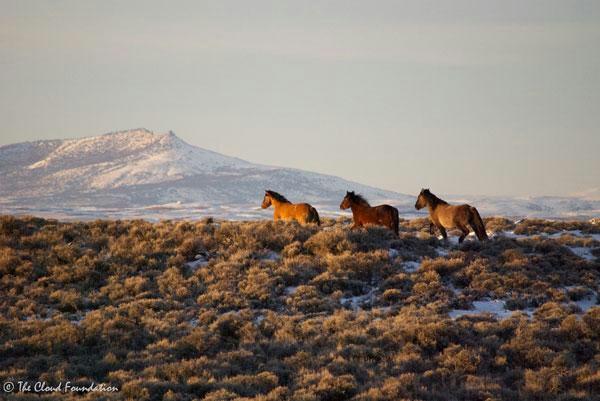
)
(575, 233)
(510, 234)
(441, 251)
(356, 302)
(586, 303)
(495, 307)
(451, 240)
(77, 319)
(258, 319)
(393, 253)
(456, 291)
(199, 262)
(411, 266)
(290, 290)
(270, 256)
(582, 252)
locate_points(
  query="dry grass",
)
(275, 311)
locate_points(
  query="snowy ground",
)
(169, 211)
(199, 211)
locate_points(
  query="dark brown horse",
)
(286, 210)
(445, 216)
(363, 213)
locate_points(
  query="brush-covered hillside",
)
(219, 310)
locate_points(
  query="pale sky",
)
(464, 97)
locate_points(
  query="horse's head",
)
(266, 200)
(347, 200)
(422, 199)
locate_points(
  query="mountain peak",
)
(94, 149)
(134, 132)
(129, 157)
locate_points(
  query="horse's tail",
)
(477, 224)
(395, 221)
(314, 216)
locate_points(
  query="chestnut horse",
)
(363, 213)
(445, 216)
(286, 210)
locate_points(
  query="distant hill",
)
(137, 173)
(138, 168)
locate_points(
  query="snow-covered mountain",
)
(141, 169)
(138, 173)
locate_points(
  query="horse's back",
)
(450, 215)
(387, 209)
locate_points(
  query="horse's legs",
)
(392, 226)
(431, 225)
(443, 231)
(465, 232)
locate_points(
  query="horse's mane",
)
(277, 197)
(357, 198)
(434, 200)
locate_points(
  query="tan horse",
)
(286, 210)
(445, 216)
(363, 213)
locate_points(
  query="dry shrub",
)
(251, 385)
(259, 286)
(537, 226)
(443, 265)
(460, 359)
(498, 224)
(114, 302)
(308, 299)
